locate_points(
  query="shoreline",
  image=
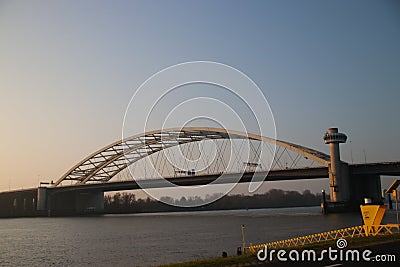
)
(389, 244)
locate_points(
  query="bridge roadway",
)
(293, 174)
(385, 168)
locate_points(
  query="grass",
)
(251, 259)
(228, 261)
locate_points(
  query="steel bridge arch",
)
(105, 163)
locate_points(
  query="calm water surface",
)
(153, 239)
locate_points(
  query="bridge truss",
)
(189, 151)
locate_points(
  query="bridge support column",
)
(41, 199)
(338, 171)
(339, 183)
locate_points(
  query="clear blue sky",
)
(68, 69)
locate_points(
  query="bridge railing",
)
(351, 232)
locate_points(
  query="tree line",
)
(275, 198)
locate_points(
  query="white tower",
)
(338, 172)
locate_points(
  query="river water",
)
(153, 239)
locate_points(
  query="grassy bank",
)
(251, 259)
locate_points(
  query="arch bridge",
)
(81, 189)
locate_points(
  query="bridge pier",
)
(339, 184)
(20, 203)
(69, 203)
(347, 191)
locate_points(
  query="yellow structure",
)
(372, 216)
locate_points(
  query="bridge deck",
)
(290, 174)
(382, 168)
(385, 168)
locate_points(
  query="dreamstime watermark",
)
(330, 254)
(203, 95)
